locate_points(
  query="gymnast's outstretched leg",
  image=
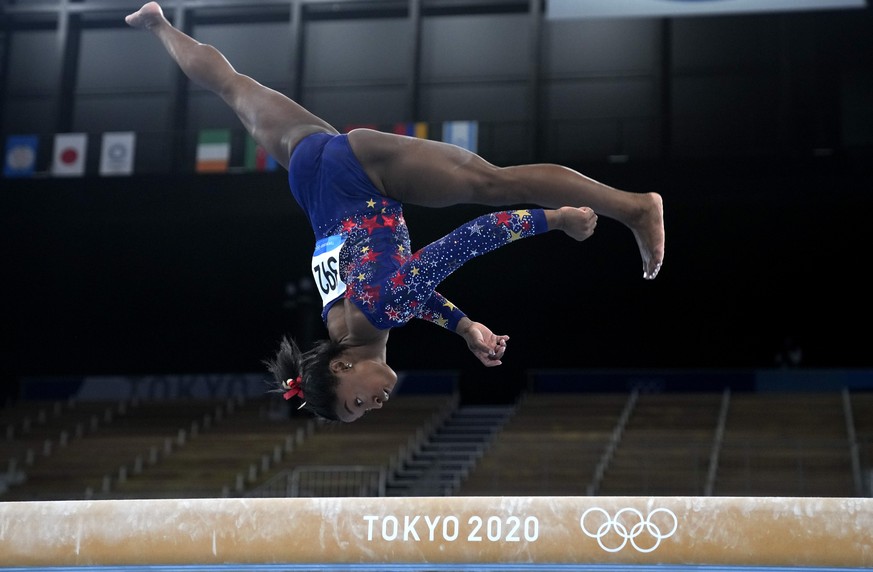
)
(274, 120)
(436, 174)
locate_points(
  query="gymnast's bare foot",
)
(146, 17)
(648, 229)
(576, 222)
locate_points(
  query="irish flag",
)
(213, 151)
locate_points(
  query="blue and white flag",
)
(20, 157)
(116, 154)
(462, 133)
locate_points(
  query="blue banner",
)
(20, 156)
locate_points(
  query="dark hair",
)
(318, 382)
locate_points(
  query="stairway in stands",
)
(439, 464)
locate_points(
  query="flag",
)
(462, 133)
(413, 129)
(257, 158)
(349, 126)
(213, 151)
(116, 155)
(69, 154)
(20, 155)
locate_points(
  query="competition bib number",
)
(325, 268)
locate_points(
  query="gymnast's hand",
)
(485, 344)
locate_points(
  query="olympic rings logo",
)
(629, 534)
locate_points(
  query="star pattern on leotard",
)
(391, 283)
(503, 219)
(371, 223)
(374, 237)
(397, 280)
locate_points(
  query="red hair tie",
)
(294, 388)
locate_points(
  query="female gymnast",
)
(352, 187)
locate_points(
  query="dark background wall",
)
(757, 130)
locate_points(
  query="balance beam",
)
(770, 531)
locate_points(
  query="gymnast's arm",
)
(485, 345)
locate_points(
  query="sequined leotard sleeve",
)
(373, 264)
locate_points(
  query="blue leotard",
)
(363, 250)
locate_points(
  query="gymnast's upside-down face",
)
(363, 386)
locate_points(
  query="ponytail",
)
(317, 382)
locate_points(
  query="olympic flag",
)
(116, 155)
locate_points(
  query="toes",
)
(653, 274)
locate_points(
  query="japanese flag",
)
(68, 159)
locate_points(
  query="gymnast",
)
(352, 187)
